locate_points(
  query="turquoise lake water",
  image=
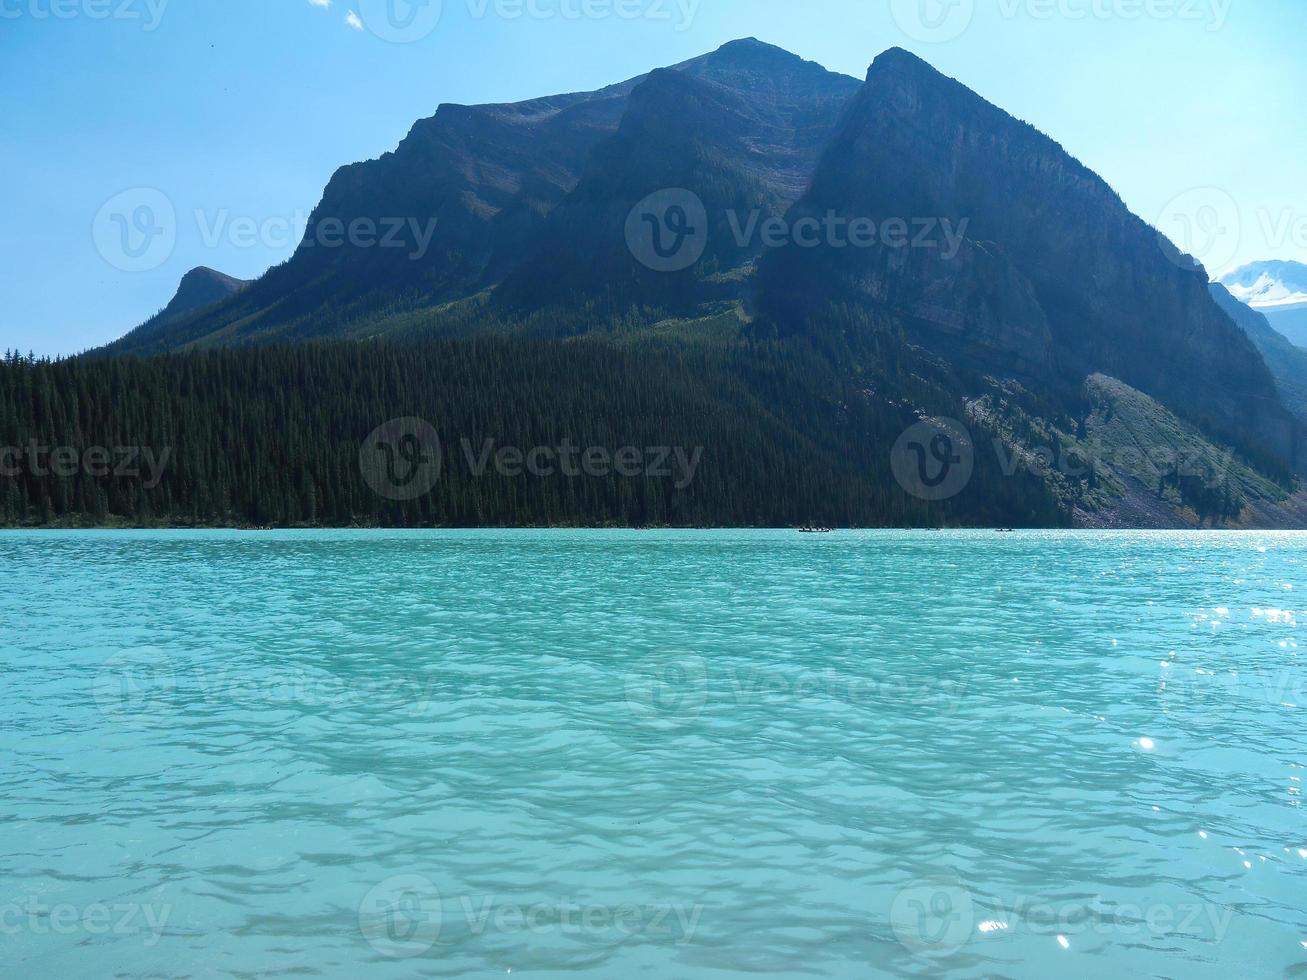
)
(662, 754)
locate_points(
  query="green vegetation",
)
(272, 436)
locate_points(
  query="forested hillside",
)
(275, 435)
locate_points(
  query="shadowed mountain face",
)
(742, 131)
(199, 289)
(463, 202)
(424, 223)
(988, 259)
(1287, 362)
(202, 287)
(1055, 279)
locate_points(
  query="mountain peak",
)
(201, 287)
(1020, 287)
(896, 56)
(751, 55)
(203, 274)
(768, 72)
(904, 64)
(751, 46)
(1268, 285)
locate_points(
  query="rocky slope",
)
(1056, 279)
(730, 147)
(930, 249)
(463, 202)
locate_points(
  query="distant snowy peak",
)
(1269, 285)
(1267, 293)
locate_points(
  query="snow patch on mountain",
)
(1269, 285)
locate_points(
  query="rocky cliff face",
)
(437, 219)
(1287, 363)
(979, 242)
(1055, 271)
(464, 199)
(742, 130)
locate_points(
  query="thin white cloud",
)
(352, 19)
(321, 4)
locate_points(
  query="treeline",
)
(286, 436)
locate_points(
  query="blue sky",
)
(241, 109)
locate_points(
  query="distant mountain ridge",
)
(1290, 322)
(1269, 285)
(1278, 290)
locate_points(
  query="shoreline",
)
(233, 529)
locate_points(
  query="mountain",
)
(830, 265)
(743, 133)
(1053, 279)
(199, 289)
(1287, 362)
(1278, 290)
(463, 202)
(1289, 321)
(202, 287)
(1147, 467)
(1269, 285)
